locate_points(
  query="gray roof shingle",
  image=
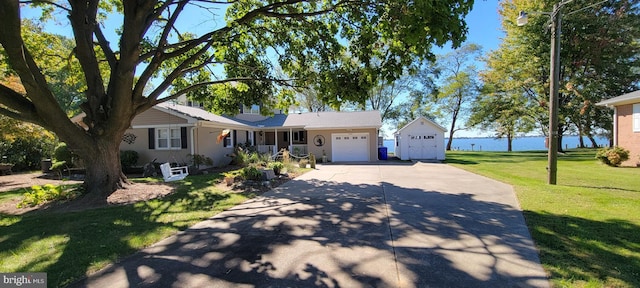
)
(311, 121)
(633, 97)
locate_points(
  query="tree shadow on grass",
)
(65, 243)
(333, 234)
(577, 249)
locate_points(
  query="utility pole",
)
(556, 23)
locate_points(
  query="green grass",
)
(587, 227)
(69, 245)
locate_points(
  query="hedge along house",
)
(626, 124)
(421, 139)
(169, 132)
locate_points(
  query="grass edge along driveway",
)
(69, 245)
(587, 227)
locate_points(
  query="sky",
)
(485, 29)
(483, 22)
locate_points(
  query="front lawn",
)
(587, 227)
(69, 245)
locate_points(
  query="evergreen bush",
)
(128, 159)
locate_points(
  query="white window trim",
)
(636, 118)
(230, 137)
(169, 147)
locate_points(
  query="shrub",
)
(128, 158)
(240, 157)
(276, 166)
(63, 153)
(47, 193)
(197, 160)
(303, 163)
(612, 156)
(251, 173)
(254, 158)
(25, 153)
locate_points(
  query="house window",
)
(229, 139)
(168, 138)
(636, 117)
(195, 104)
(253, 109)
(298, 136)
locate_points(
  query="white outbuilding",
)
(421, 139)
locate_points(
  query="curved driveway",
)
(385, 224)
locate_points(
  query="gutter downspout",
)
(193, 141)
(615, 126)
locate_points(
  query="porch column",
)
(275, 149)
(290, 139)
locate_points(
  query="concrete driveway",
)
(384, 224)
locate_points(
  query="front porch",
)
(296, 149)
(272, 141)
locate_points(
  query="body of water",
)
(519, 144)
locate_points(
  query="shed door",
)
(422, 147)
(350, 147)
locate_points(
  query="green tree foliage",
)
(506, 114)
(459, 86)
(23, 144)
(419, 101)
(599, 59)
(144, 62)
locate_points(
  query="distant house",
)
(169, 132)
(421, 139)
(626, 124)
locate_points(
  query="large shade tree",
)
(148, 59)
(459, 86)
(599, 59)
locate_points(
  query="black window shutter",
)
(255, 140)
(152, 138)
(246, 138)
(235, 138)
(183, 137)
(285, 137)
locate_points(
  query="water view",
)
(519, 144)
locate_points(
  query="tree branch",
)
(104, 44)
(47, 2)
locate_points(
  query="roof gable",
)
(629, 98)
(196, 113)
(422, 118)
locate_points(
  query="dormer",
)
(183, 100)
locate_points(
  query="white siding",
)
(420, 139)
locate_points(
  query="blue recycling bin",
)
(382, 153)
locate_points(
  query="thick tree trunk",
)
(450, 141)
(580, 133)
(103, 174)
(509, 142)
(560, 149)
(594, 144)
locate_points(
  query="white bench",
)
(173, 173)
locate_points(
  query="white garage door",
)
(422, 147)
(350, 147)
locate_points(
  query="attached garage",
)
(422, 139)
(347, 147)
